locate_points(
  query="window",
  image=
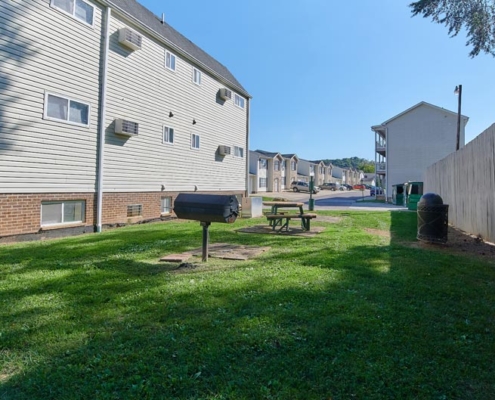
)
(276, 165)
(238, 151)
(283, 165)
(194, 141)
(62, 212)
(284, 180)
(263, 163)
(168, 135)
(78, 9)
(196, 76)
(166, 205)
(134, 210)
(238, 101)
(322, 171)
(262, 182)
(65, 109)
(293, 165)
(169, 60)
(311, 169)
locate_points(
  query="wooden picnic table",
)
(275, 205)
(281, 220)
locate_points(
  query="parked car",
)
(375, 190)
(330, 186)
(359, 186)
(301, 186)
(346, 186)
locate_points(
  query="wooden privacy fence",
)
(466, 181)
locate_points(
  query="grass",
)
(346, 314)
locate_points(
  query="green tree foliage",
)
(476, 16)
(354, 162)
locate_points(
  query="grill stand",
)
(206, 239)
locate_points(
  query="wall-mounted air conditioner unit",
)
(225, 93)
(130, 39)
(127, 128)
(224, 150)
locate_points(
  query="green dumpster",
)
(413, 191)
(398, 194)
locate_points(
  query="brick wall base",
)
(20, 214)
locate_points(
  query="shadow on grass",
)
(361, 317)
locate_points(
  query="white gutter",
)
(101, 128)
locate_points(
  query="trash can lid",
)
(430, 199)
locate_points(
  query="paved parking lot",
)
(338, 200)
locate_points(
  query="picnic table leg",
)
(306, 223)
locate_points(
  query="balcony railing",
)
(380, 147)
(381, 167)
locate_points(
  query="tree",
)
(477, 16)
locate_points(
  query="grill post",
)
(206, 239)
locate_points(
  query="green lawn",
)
(345, 315)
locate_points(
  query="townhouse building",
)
(267, 170)
(106, 114)
(406, 144)
(290, 162)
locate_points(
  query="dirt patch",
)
(294, 231)
(228, 251)
(378, 232)
(328, 219)
(458, 242)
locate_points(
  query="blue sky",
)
(322, 72)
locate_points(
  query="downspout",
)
(101, 129)
(376, 160)
(247, 148)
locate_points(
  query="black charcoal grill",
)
(206, 208)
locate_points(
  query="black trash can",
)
(433, 219)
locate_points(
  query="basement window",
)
(166, 205)
(62, 212)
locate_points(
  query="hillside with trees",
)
(354, 162)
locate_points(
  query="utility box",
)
(252, 207)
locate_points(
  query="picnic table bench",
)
(280, 220)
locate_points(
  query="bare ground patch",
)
(458, 242)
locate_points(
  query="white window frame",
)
(69, 99)
(196, 76)
(239, 151)
(63, 202)
(195, 138)
(73, 15)
(175, 61)
(166, 209)
(168, 129)
(263, 182)
(239, 101)
(293, 165)
(263, 163)
(276, 165)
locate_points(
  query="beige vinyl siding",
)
(142, 90)
(45, 50)
(418, 139)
